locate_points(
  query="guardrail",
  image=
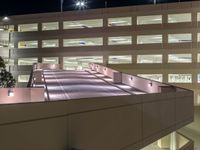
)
(140, 83)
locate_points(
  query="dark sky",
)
(14, 7)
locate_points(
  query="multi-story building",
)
(160, 42)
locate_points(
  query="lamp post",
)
(61, 5)
(154, 2)
(81, 4)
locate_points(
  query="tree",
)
(2, 63)
(6, 78)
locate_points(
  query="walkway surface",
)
(65, 85)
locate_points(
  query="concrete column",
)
(173, 142)
(105, 22)
(39, 59)
(134, 58)
(164, 142)
(61, 62)
(40, 26)
(165, 18)
(60, 24)
(134, 20)
(105, 59)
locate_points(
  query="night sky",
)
(15, 7)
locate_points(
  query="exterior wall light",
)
(131, 78)
(10, 92)
(150, 84)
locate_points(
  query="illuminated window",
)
(177, 18)
(155, 77)
(28, 44)
(179, 38)
(124, 59)
(153, 19)
(180, 58)
(180, 78)
(198, 37)
(27, 61)
(149, 59)
(50, 60)
(9, 28)
(83, 42)
(149, 39)
(8, 61)
(4, 43)
(81, 24)
(80, 63)
(49, 43)
(23, 78)
(198, 16)
(50, 26)
(120, 40)
(198, 57)
(27, 27)
(122, 21)
(198, 78)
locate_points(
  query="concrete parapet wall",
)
(109, 123)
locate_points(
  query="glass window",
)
(50, 26)
(198, 57)
(180, 58)
(155, 77)
(50, 43)
(123, 59)
(23, 78)
(122, 21)
(179, 38)
(198, 78)
(80, 62)
(177, 18)
(27, 27)
(81, 24)
(120, 40)
(9, 28)
(8, 61)
(149, 59)
(27, 61)
(149, 39)
(28, 44)
(180, 78)
(50, 60)
(198, 16)
(153, 19)
(198, 37)
(4, 43)
(83, 42)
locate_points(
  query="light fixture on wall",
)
(150, 84)
(10, 92)
(131, 78)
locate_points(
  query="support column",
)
(61, 62)
(173, 142)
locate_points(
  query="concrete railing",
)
(46, 66)
(21, 95)
(140, 83)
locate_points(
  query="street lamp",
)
(5, 18)
(81, 4)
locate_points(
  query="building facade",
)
(160, 42)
